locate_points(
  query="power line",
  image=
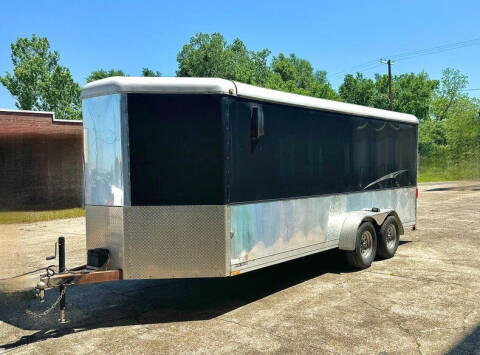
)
(360, 66)
(437, 49)
(413, 54)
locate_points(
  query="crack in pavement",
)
(281, 337)
(417, 279)
(387, 313)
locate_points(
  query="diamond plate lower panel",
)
(162, 241)
(175, 241)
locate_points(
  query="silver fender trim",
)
(353, 220)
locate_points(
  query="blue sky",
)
(334, 36)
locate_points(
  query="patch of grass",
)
(436, 173)
(434, 176)
(38, 216)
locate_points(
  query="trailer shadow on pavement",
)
(159, 301)
(470, 342)
(475, 187)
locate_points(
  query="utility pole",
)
(389, 63)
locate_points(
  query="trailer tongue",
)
(94, 272)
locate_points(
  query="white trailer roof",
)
(173, 85)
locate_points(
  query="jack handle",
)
(51, 257)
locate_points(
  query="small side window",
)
(257, 123)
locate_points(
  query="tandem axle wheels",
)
(371, 242)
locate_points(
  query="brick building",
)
(41, 162)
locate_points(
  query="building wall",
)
(41, 162)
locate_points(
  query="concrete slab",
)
(424, 300)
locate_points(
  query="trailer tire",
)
(365, 247)
(388, 239)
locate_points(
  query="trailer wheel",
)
(365, 246)
(389, 238)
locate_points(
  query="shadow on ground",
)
(158, 301)
(469, 345)
(455, 188)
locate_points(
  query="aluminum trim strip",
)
(321, 195)
(124, 131)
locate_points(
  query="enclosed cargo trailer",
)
(205, 177)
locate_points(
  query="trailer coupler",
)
(79, 275)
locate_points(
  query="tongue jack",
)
(80, 275)
(61, 269)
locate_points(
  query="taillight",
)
(416, 192)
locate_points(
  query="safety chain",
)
(49, 309)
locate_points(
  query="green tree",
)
(210, 56)
(436, 143)
(322, 88)
(203, 56)
(448, 92)
(39, 82)
(102, 74)
(304, 76)
(449, 139)
(432, 139)
(463, 131)
(357, 90)
(285, 67)
(412, 93)
(150, 73)
(246, 66)
(294, 74)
